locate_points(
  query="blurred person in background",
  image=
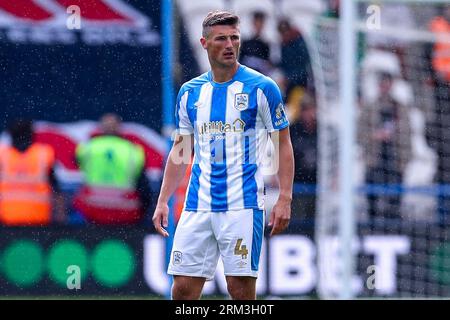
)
(255, 52)
(29, 191)
(116, 189)
(303, 127)
(295, 62)
(438, 130)
(384, 133)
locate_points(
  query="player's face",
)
(222, 44)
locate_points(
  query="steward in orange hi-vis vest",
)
(441, 51)
(25, 191)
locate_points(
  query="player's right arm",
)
(179, 158)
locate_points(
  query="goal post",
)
(347, 138)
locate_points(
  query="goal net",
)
(401, 151)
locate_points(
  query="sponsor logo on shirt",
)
(220, 127)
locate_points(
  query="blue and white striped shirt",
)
(230, 122)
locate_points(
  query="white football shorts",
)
(201, 237)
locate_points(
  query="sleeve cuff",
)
(283, 126)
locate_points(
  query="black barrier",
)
(96, 261)
(41, 261)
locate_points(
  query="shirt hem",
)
(222, 209)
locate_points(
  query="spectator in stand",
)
(384, 133)
(116, 189)
(438, 132)
(255, 52)
(295, 62)
(303, 127)
(29, 191)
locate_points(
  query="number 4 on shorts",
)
(240, 250)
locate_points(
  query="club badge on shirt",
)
(241, 101)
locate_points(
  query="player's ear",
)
(203, 42)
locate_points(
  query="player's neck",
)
(222, 74)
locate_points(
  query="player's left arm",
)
(281, 212)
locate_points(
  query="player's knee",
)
(185, 290)
(237, 292)
(241, 290)
(182, 292)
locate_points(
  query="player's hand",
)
(280, 216)
(160, 219)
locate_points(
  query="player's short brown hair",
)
(218, 18)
